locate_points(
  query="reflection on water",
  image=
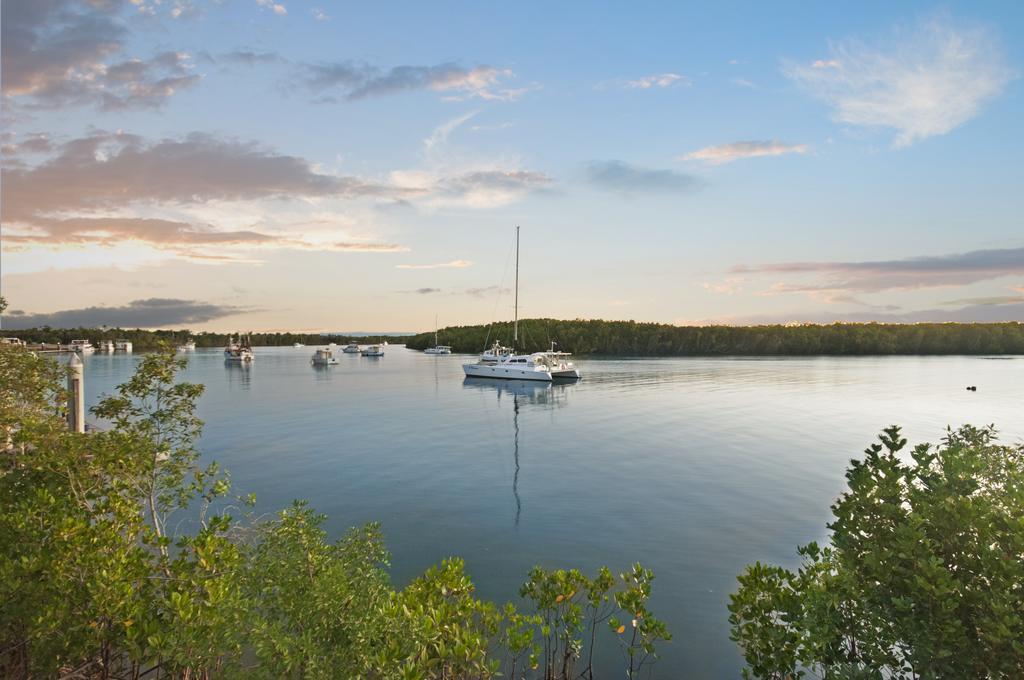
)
(693, 467)
(239, 373)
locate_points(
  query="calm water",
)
(694, 467)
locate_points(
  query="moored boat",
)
(350, 348)
(324, 357)
(238, 352)
(106, 346)
(82, 347)
(123, 345)
(437, 349)
(372, 351)
(503, 362)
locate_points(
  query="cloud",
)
(353, 80)
(441, 133)
(427, 291)
(275, 7)
(729, 286)
(319, 14)
(661, 80)
(184, 239)
(480, 188)
(621, 177)
(149, 313)
(727, 153)
(60, 53)
(485, 291)
(980, 313)
(111, 188)
(454, 264)
(921, 82)
(906, 274)
(251, 58)
(33, 143)
(112, 170)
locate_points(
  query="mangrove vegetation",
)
(630, 338)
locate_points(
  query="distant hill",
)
(629, 338)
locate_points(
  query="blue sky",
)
(291, 165)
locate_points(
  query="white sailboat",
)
(503, 363)
(238, 352)
(437, 349)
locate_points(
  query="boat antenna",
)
(515, 324)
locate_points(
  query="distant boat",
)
(503, 363)
(324, 357)
(350, 348)
(188, 346)
(298, 344)
(123, 345)
(82, 347)
(105, 346)
(437, 349)
(238, 352)
(372, 351)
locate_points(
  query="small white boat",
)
(238, 352)
(298, 344)
(82, 347)
(350, 348)
(105, 346)
(372, 351)
(123, 345)
(324, 357)
(503, 362)
(18, 342)
(189, 346)
(437, 349)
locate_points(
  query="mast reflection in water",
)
(529, 393)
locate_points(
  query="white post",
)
(76, 394)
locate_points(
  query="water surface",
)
(694, 467)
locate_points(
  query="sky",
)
(317, 166)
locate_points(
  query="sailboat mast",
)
(515, 326)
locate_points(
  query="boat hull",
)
(505, 372)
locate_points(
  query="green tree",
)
(924, 577)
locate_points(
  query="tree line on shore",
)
(152, 339)
(630, 338)
(624, 338)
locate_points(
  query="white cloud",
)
(921, 83)
(657, 80)
(441, 133)
(275, 7)
(454, 264)
(319, 14)
(727, 153)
